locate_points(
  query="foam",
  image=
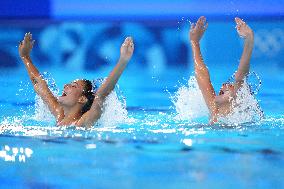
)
(190, 105)
(245, 108)
(188, 102)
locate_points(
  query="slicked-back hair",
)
(88, 93)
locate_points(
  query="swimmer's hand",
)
(26, 45)
(126, 49)
(197, 30)
(243, 29)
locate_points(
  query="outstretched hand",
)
(243, 29)
(127, 49)
(26, 45)
(197, 30)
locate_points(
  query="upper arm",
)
(208, 93)
(90, 117)
(241, 74)
(47, 96)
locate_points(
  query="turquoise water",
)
(148, 146)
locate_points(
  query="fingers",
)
(192, 26)
(238, 27)
(200, 24)
(33, 42)
(239, 22)
(20, 43)
(201, 21)
(128, 42)
(28, 40)
(28, 37)
(205, 26)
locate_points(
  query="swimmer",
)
(221, 104)
(77, 105)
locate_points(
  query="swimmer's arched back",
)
(78, 105)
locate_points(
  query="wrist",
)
(25, 56)
(250, 36)
(194, 43)
(123, 59)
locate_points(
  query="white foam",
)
(189, 103)
(245, 108)
(114, 111)
(42, 112)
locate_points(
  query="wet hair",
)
(89, 94)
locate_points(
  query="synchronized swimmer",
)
(77, 105)
(221, 104)
(80, 106)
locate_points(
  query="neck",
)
(225, 108)
(71, 114)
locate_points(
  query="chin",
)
(61, 100)
(221, 99)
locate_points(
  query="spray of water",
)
(190, 105)
(114, 111)
(42, 112)
(245, 108)
(114, 107)
(188, 102)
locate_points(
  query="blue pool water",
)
(149, 148)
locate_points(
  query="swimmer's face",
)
(72, 93)
(225, 93)
(226, 87)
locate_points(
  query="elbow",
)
(239, 76)
(201, 71)
(99, 99)
(88, 125)
(202, 75)
(92, 119)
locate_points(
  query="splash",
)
(190, 105)
(252, 80)
(114, 107)
(42, 112)
(245, 108)
(114, 110)
(188, 101)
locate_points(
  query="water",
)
(155, 141)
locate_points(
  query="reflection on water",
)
(15, 154)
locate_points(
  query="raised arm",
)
(245, 32)
(38, 82)
(201, 72)
(126, 52)
(94, 113)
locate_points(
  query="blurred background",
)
(85, 36)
